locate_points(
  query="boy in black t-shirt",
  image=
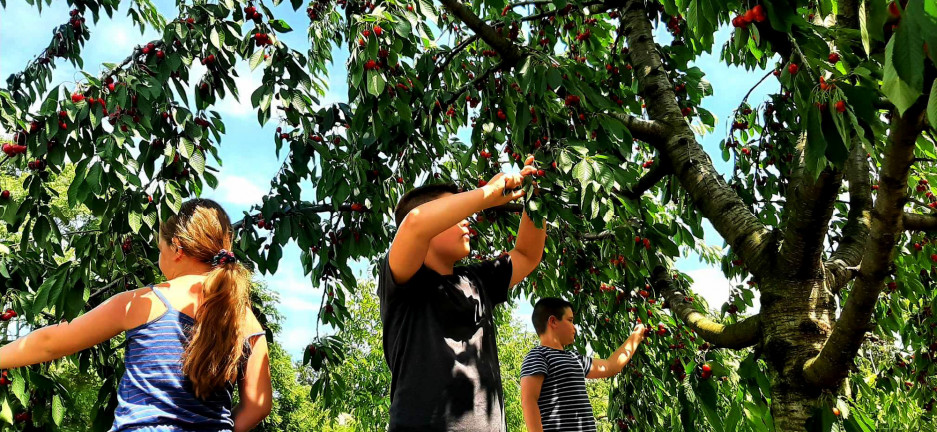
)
(553, 380)
(438, 330)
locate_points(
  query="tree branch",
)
(510, 53)
(480, 78)
(855, 233)
(806, 220)
(646, 182)
(742, 334)
(919, 222)
(830, 366)
(692, 166)
(468, 41)
(648, 131)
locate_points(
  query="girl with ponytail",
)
(190, 339)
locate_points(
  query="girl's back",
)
(153, 390)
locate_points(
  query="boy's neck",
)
(437, 264)
(550, 341)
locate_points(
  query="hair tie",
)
(223, 257)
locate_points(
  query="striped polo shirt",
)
(564, 403)
(154, 395)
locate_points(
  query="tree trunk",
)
(797, 316)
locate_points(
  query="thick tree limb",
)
(648, 131)
(646, 182)
(848, 254)
(750, 239)
(742, 334)
(807, 216)
(510, 53)
(831, 365)
(920, 222)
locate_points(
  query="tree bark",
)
(920, 222)
(840, 267)
(796, 320)
(742, 334)
(693, 167)
(832, 364)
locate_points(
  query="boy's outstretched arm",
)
(530, 392)
(408, 251)
(605, 368)
(528, 250)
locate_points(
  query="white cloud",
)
(238, 190)
(296, 338)
(299, 304)
(246, 82)
(713, 286)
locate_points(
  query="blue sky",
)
(247, 148)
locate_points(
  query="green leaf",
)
(932, 105)
(707, 393)
(198, 162)
(281, 26)
(41, 301)
(135, 220)
(6, 413)
(185, 147)
(816, 144)
(217, 39)
(902, 94)
(375, 84)
(255, 61)
(908, 53)
(51, 102)
(19, 387)
(426, 7)
(58, 411)
(583, 172)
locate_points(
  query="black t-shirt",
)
(439, 342)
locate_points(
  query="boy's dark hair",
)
(545, 308)
(420, 196)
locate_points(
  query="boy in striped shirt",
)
(553, 380)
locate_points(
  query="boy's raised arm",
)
(606, 368)
(528, 250)
(424, 222)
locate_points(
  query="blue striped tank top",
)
(154, 395)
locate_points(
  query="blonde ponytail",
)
(216, 342)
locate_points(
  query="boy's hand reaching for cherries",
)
(505, 188)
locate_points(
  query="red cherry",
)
(893, 10)
(5, 195)
(759, 12)
(834, 58)
(378, 30)
(840, 106)
(933, 258)
(707, 368)
(792, 68)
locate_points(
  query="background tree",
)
(456, 92)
